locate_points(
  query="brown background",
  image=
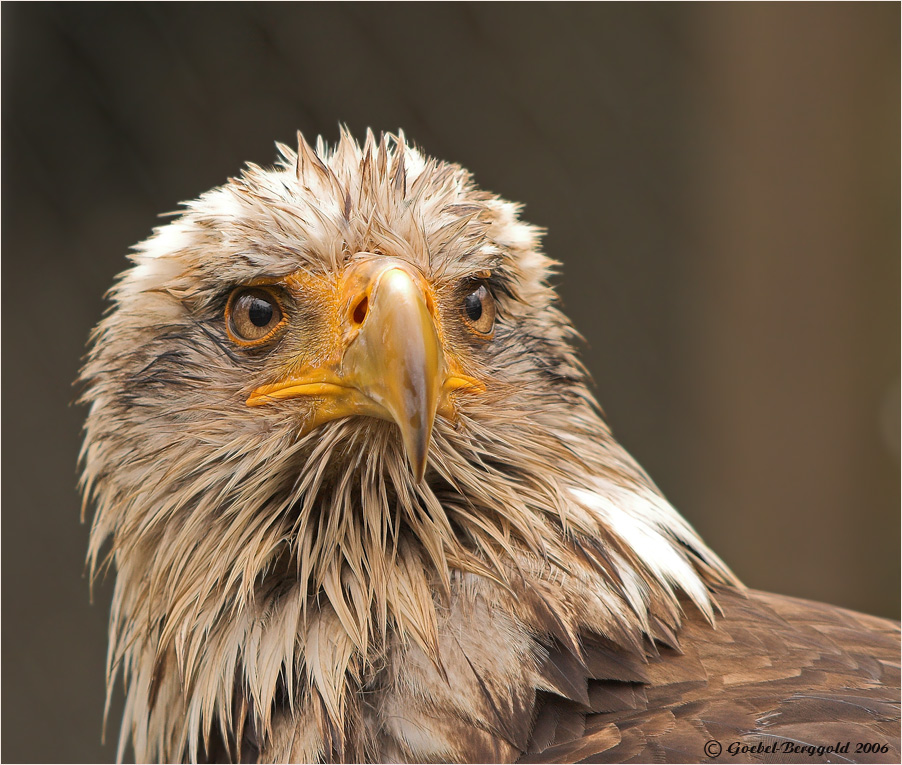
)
(721, 183)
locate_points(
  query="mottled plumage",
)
(362, 505)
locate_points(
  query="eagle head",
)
(340, 445)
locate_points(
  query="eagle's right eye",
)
(253, 315)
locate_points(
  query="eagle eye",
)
(253, 314)
(479, 311)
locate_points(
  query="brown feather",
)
(776, 670)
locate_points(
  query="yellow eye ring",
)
(253, 315)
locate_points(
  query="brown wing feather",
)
(773, 671)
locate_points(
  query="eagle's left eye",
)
(479, 311)
(253, 315)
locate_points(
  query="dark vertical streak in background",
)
(721, 183)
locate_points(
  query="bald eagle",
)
(363, 507)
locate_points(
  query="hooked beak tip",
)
(417, 455)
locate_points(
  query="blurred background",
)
(721, 183)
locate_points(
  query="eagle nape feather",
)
(362, 506)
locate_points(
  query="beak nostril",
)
(360, 311)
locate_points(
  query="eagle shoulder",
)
(774, 677)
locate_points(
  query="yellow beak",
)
(392, 365)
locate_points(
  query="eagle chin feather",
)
(292, 594)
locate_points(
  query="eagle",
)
(362, 506)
